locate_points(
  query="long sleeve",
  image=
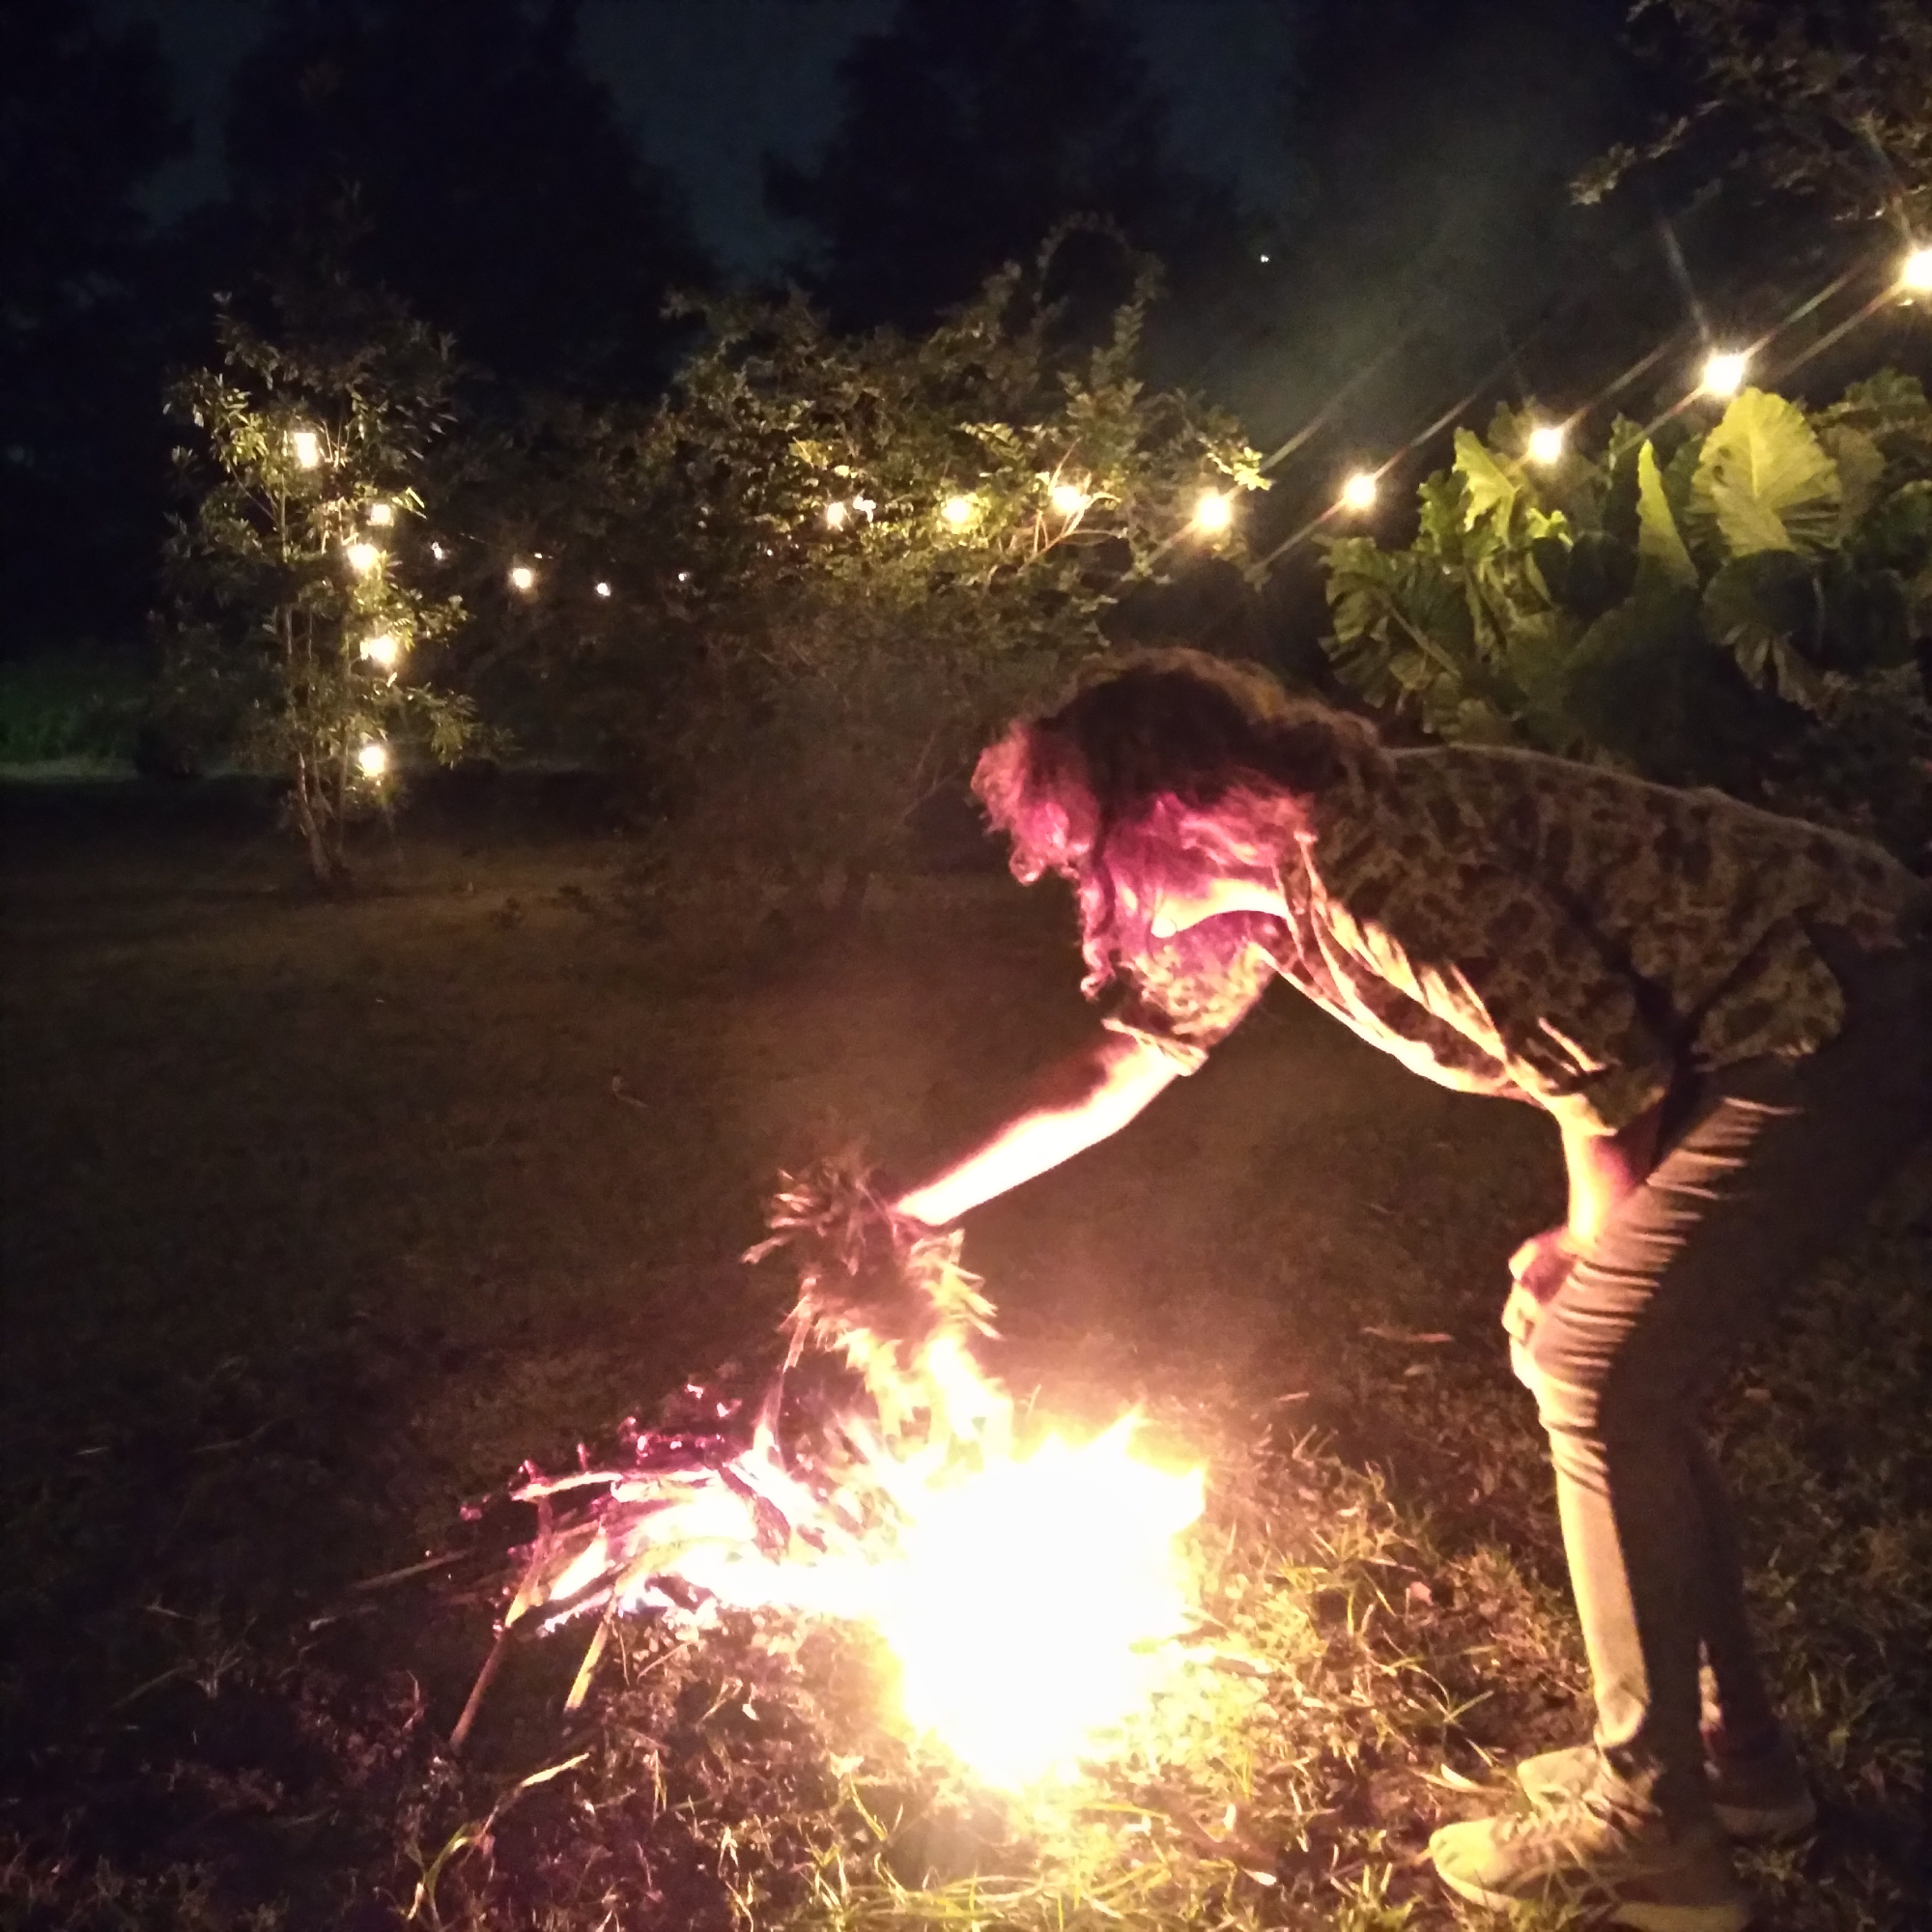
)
(1494, 956)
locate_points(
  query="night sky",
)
(708, 89)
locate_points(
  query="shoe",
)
(1759, 1796)
(1623, 1869)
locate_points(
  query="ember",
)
(1026, 1595)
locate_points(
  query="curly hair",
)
(1163, 773)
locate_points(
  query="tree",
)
(869, 548)
(1827, 100)
(472, 165)
(973, 128)
(1737, 601)
(84, 121)
(294, 633)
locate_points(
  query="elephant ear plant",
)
(1739, 602)
(294, 637)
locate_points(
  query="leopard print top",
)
(1507, 922)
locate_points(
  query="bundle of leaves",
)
(788, 1468)
(1737, 603)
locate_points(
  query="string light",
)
(1723, 375)
(373, 758)
(1546, 443)
(1724, 372)
(382, 649)
(1214, 513)
(382, 514)
(363, 557)
(306, 446)
(1358, 493)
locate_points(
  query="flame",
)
(1028, 1603)
(1028, 1594)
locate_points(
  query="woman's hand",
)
(1537, 1269)
(1543, 1263)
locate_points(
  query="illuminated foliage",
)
(295, 638)
(886, 544)
(1736, 602)
(1829, 101)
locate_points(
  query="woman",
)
(1726, 1012)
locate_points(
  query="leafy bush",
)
(1734, 602)
(874, 547)
(78, 704)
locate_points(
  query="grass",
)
(319, 1218)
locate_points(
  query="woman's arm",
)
(1083, 1098)
(1603, 1168)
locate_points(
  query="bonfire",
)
(877, 1478)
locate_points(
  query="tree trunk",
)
(325, 856)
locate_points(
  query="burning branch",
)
(879, 1484)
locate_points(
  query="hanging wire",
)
(1257, 573)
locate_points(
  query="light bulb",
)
(1358, 493)
(436, 550)
(834, 516)
(1915, 272)
(603, 588)
(1068, 498)
(306, 446)
(1546, 443)
(382, 514)
(363, 557)
(374, 758)
(382, 649)
(523, 578)
(1724, 372)
(1214, 513)
(958, 511)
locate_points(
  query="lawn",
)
(320, 1217)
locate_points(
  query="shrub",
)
(881, 545)
(1734, 602)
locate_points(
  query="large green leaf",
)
(1658, 541)
(1860, 464)
(1443, 504)
(1645, 686)
(1896, 532)
(1868, 618)
(1491, 490)
(1765, 479)
(1401, 621)
(1538, 653)
(1765, 610)
(1889, 405)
